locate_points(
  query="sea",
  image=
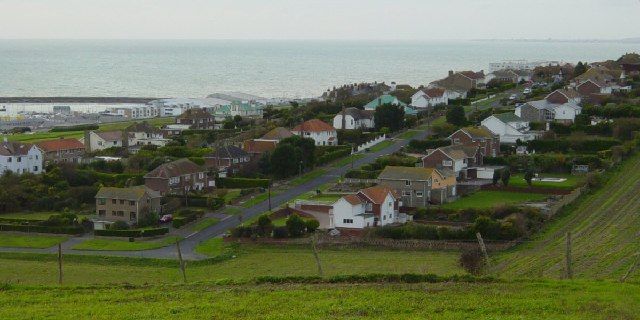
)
(271, 69)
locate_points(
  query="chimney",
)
(450, 73)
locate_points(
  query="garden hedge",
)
(145, 233)
(241, 183)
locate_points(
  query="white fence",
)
(371, 143)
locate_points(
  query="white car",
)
(513, 97)
(527, 91)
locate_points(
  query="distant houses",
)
(461, 82)
(322, 133)
(20, 158)
(389, 99)
(509, 127)
(197, 119)
(430, 97)
(143, 134)
(62, 151)
(177, 177)
(227, 159)
(560, 105)
(267, 143)
(354, 118)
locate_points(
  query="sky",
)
(319, 19)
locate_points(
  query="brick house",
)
(416, 185)
(561, 96)
(227, 158)
(197, 119)
(126, 204)
(177, 177)
(62, 151)
(456, 158)
(488, 142)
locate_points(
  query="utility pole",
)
(59, 263)
(269, 192)
(569, 271)
(314, 241)
(182, 266)
(483, 248)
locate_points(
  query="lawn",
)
(29, 241)
(572, 181)
(257, 199)
(448, 300)
(308, 177)
(205, 223)
(211, 247)
(381, 146)
(604, 224)
(231, 195)
(123, 245)
(408, 134)
(348, 160)
(43, 215)
(489, 199)
(250, 261)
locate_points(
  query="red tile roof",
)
(313, 125)
(353, 199)
(377, 194)
(434, 92)
(258, 146)
(14, 148)
(60, 144)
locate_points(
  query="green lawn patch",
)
(408, 134)
(517, 180)
(212, 247)
(29, 241)
(205, 223)
(489, 199)
(123, 245)
(231, 195)
(257, 199)
(381, 146)
(348, 160)
(308, 177)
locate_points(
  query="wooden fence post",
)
(314, 240)
(483, 248)
(59, 263)
(569, 271)
(182, 266)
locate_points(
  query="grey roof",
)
(405, 173)
(228, 152)
(358, 114)
(542, 104)
(508, 117)
(131, 193)
(14, 148)
(110, 135)
(175, 169)
(142, 127)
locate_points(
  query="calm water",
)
(267, 68)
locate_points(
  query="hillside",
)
(605, 227)
(447, 300)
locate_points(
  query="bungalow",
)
(371, 207)
(456, 158)
(277, 134)
(429, 97)
(487, 141)
(95, 141)
(417, 186)
(389, 99)
(509, 76)
(20, 157)
(354, 118)
(509, 127)
(322, 133)
(545, 111)
(227, 158)
(62, 151)
(177, 177)
(464, 81)
(126, 204)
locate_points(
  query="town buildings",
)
(127, 204)
(20, 158)
(227, 158)
(177, 177)
(322, 133)
(62, 151)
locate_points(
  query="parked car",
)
(526, 91)
(513, 97)
(166, 218)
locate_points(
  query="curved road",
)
(189, 244)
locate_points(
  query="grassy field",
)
(123, 245)
(250, 261)
(13, 240)
(205, 223)
(257, 199)
(382, 145)
(408, 134)
(450, 300)
(489, 199)
(604, 227)
(347, 161)
(307, 177)
(572, 181)
(42, 136)
(231, 195)
(211, 247)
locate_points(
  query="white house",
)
(509, 127)
(354, 118)
(322, 133)
(371, 207)
(429, 98)
(567, 112)
(140, 134)
(94, 141)
(20, 157)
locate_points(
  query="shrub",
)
(119, 225)
(178, 222)
(81, 127)
(312, 225)
(472, 260)
(42, 229)
(241, 183)
(280, 232)
(132, 233)
(295, 225)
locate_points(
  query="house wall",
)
(566, 114)
(350, 123)
(436, 160)
(587, 88)
(342, 210)
(193, 181)
(321, 138)
(557, 97)
(126, 210)
(531, 114)
(64, 156)
(143, 138)
(388, 213)
(97, 143)
(31, 162)
(410, 195)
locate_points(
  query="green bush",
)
(179, 222)
(295, 225)
(241, 183)
(280, 232)
(137, 233)
(312, 225)
(80, 127)
(119, 225)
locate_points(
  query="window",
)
(132, 216)
(132, 203)
(102, 201)
(447, 163)
(102, 213)
(174, 180)
(407, 183)
(120, 213)
(113, 213)
(113, 201)
(9, 159)
(347, 221)
(456, 140)
(19, 159)
(187, 178)
(121, 201)
(419, 194)
(35, 168)
(406, 193)
(201, 175)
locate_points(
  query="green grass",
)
(124, 245)
(517, 180)
(348, 160)
(211, 247)
(325, 197)
(408, 134)
(450, 300)
(12, 240)
(42, 136)
(489, 199)
(308, 177)
(381, 146)
(205, 223)
(251, 261)
(231, 195)
(43, 215)
(257, 199)
(232, 210)
(604, 225)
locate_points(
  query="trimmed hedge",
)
(362, 174)
(132, 233)
(331, 156)
(241, 183)
(422, 145)
(81, 127)
(43, 229)
(579, 146)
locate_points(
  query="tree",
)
(284, 162)
(506, 175)
(264, 163)
(295, 225)
(528, 176)
(229, 124)
(472, 260)
(456, 116)
(389, 115)
(496, 177)
(265, 226)
(312, 225)
(579, 69)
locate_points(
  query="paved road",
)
(188, 245)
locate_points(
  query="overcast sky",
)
(320, 19)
